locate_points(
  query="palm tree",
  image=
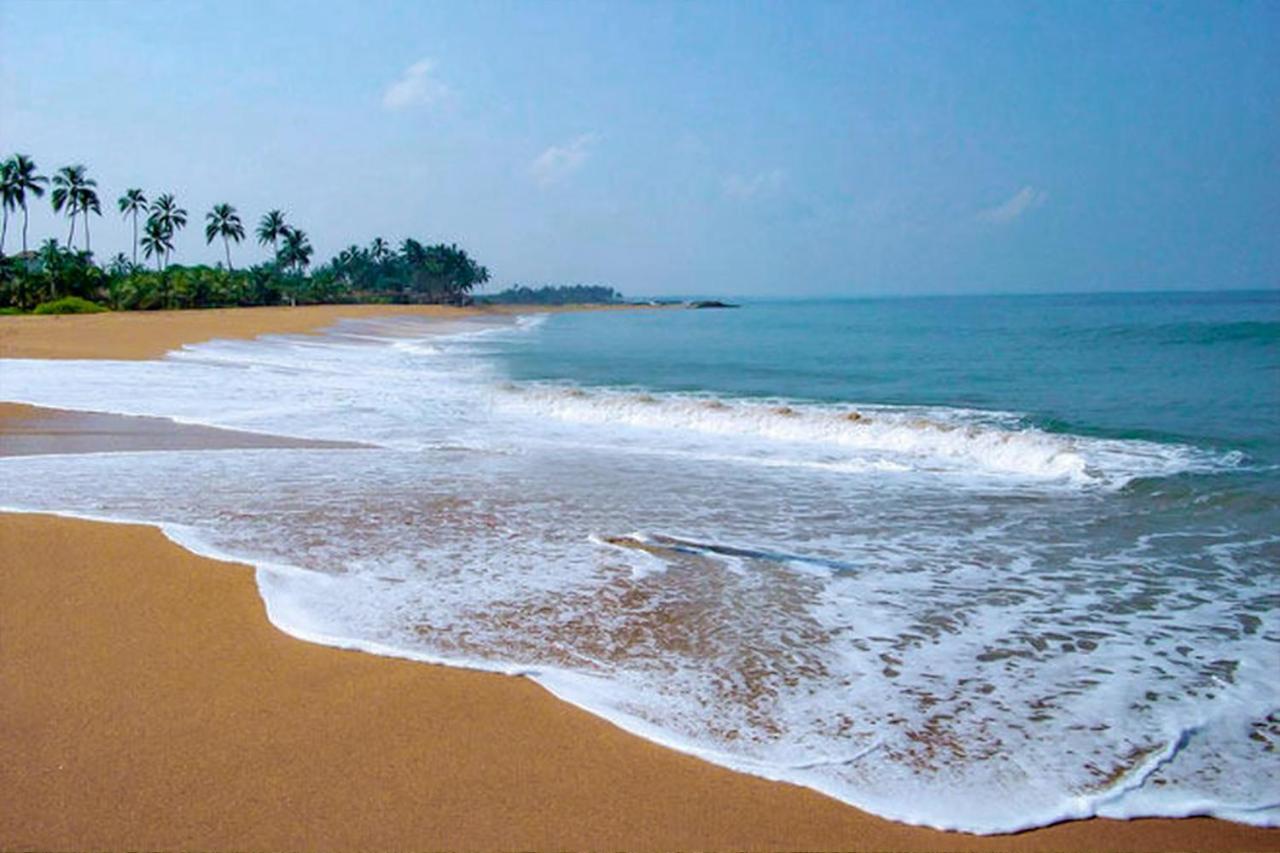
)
(87, 201)
(156, 240)
(413, 252)
(379, 251)
(171, 219)
(51, 262)
(295, 249)
(22, 180)
(225, 222)
(8, 199)
(271, 228)
(132, 203)
(69, 186)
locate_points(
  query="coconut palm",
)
(379, 251)
(87, 201)
(223, 221)
(65, 183)
(8, 199)
(132, 203)
(157, 241)
(295, 249)
(271, 228)
(50, 257)
(171, 219)
(70, 185)
(22, 179)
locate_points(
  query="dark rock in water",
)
(712, 303)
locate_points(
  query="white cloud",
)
(1024, 200)
(560, 161)
(417, 86)
(762, 183)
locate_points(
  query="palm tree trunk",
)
(135, 236)
(24, 229)
(227, 246)
(4, 229)
(72, 233)
(86, 232)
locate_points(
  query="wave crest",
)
(863, 437)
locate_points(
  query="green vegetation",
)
(573, 294)
(55, 277)
(69, 305)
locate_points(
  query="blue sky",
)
(785, 148)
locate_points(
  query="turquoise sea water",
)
(980, 563)
(1197, 367)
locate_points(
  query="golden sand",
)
(150, 334)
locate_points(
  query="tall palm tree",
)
(225, 222)
(8, 199)
(379, 251)
(132, 203)
(271, 228)
(87, 201)
(22, 180)
(171, 219)
(69, 185)
(156, 240)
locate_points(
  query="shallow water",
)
(978, 563)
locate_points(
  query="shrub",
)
(10, 311)
(68, 305)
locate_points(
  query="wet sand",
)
(27, 430)
(148, 704)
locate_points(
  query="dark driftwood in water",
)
(712, 303)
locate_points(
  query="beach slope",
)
(150, 705)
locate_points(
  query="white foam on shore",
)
(763, 583)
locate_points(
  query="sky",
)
(756, 149)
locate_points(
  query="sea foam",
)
(942, 615)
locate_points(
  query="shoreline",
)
(156, 676)
(157, 707)
(141, 335)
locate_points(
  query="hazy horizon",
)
(761, 151)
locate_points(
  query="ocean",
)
(978, 563)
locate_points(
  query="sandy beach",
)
(151, 705)
(150, 334)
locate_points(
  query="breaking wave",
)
(934, 439)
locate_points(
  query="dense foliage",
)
(69, 305)
(572, 294)
(414, 272)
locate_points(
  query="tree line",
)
(570, 294)
(410, 272)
